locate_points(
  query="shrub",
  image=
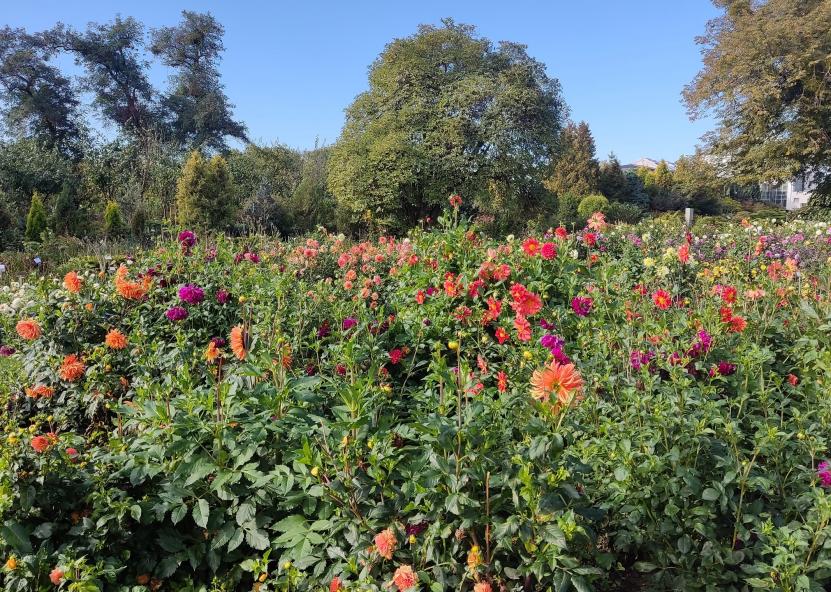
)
(567, 215)
(203, 195)
(113, 224)
(591, 204)
(36, 221)
(64, 213)
(623, 212)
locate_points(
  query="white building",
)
(790, 195)
(646, 163)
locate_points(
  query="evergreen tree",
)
(612, 182)
(203, 193)
(36, 218)
(63, 216)
(577, 170)
(113, 224)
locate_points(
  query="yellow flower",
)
(11, 563)
(648, 262)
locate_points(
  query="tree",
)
(446, 112)
(265, 177)
(36, 219)
(203, 192)
(63, 215)
(113, 223)
(659, 186)
(767, 77)
(115, 71)
(611, 181)
(38, 101)
(698, 183)
(577, 170)
(201, 113)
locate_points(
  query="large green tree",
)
(37, 101)
(576, 171)
(447, 112)
(767, 78)
(200, 110)
(116, 71)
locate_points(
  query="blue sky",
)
(291, 67)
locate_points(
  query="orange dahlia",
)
(28, 329)
(238, 342)
(72, 368)
(385, 543)
(405, 578)
(561, 380)
(213, 352)
(115, 339)
(130, 290)
(72, 282)
(40, 390)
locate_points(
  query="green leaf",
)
(709, 494)
(621, 473)
(236, 539)
(17, 536)
(645, 566)
(201, 512)
(257, 539)
(178, 513)
(245, 513)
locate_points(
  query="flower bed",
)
(619, 408)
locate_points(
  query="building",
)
(646, 163)
(790, 195)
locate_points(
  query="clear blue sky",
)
(291, 67)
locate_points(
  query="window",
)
(774, 194)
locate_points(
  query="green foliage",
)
(202, 116)
(37, 100)
(591, 204)
(567, 215)
(698, 184)
(440, 104)
(36, 222)
(612, 181)
(160, 466)
(628, 213)
(765, 79)
(138, 223)
(203, 194)
(113, 223)
(576, 170)
(64, 212)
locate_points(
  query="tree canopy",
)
(446, 112)
(199, 110)
(767, 78)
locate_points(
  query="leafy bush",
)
(591, 204)
(618, 211)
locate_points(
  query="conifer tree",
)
(36, 218)
(577, 170)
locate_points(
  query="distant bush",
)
(623, 212)
(567, 215)
(591, 204)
